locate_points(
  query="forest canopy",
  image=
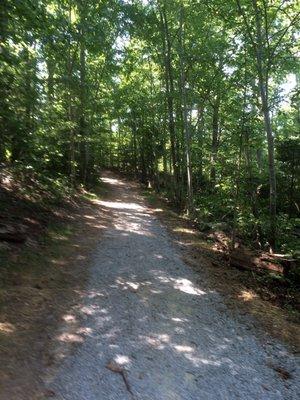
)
(199, 99)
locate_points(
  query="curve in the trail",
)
(153, 332)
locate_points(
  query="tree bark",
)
(215, 140)
(184, 110)
(83, 97)
(263, 88)
(200, 133)
(72, 170)
(169, 81)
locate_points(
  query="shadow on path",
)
(144, 310)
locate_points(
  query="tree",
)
(187, 96)
(261, 20)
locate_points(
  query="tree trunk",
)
(82, 122)
(83, 97)
(184, 110)
(263, 88)
(72, 170)
(169, 81)
(134, 136)
(50, 79)
(215, 140)
(253, 188)
(200, 132)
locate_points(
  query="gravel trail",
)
(152, 332)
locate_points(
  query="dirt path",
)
(149, 330)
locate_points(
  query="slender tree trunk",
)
(153, 131)
(83, 97)
(271, 162)
(4, 85)
(84, 145)
(134, 136)
(169, 81)
(292, 184)
(253, 188)
(70, 108)
(50, 80)
(200, 132)
(119, 145)
(237, 191)
(263, 88)
(21, 138)
(215, 140)
(184, 109)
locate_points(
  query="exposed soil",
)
(252, 293)
(105, 303)
(40, 280)
(152, 328)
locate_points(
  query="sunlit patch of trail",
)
(151, 329)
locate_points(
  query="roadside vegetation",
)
(197, 100)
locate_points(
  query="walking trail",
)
(152, 332)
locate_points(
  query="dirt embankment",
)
(41, 277)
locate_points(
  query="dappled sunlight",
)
(159, 256)
(247, 295)
(158, 341)
(187, 286)
(185, 230)
(190, 352)
(70, 337)
(179, 319)
(130, 217)
(204, 361)
(145, 319)
(183, 349)
(122, 359)
(121, 205)
(131, 227)
(59, 237)
(84, 331)
(182, 284)
(156, 291)
(94, 294)
(89, 217)
(6, 328)
(130, 285)
(69, 318)
(112, 181)
(91, 309)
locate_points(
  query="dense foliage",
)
(200, 99)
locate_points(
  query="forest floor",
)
(123, 299)
(260, 293)
(40, 278)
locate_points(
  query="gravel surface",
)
(153, 332)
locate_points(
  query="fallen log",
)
(245, 259)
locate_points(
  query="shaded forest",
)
(197, 99)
